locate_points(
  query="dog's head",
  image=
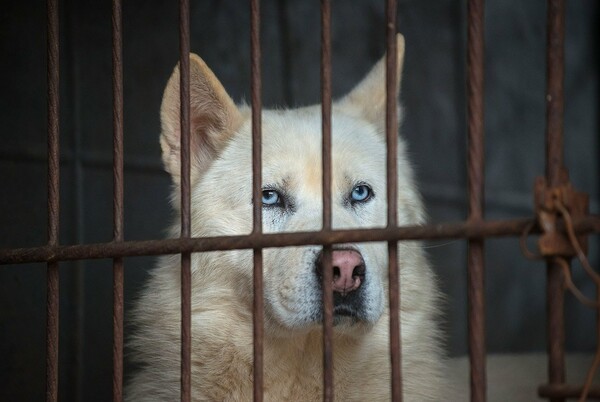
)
(291, 200)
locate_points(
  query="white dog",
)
(291, 201)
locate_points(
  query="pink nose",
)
(348, 270)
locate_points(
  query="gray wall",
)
(434, 98)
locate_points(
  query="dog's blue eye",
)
(271, 197)
(361, 193)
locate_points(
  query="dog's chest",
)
(293, 376)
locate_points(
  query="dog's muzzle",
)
(349, 271)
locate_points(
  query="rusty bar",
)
(258, 303)
(391, 127)
(258, 325)
(186, 275)
(555, 175)
(391, 115)
(52, 296)
(556, 332)
(327, 279)
(555, 72)
(395, 340)
(475, 254)
(117, 80)
(566, 391)
(458, 230)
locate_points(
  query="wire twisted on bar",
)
(578, 294)
(568, 280)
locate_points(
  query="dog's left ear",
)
(367, 99)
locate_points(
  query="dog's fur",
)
(222, 281)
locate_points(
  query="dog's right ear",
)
(214, 118)
(368, 99)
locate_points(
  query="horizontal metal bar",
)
(498, 228)
(566, 391)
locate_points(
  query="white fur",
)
(222, 281)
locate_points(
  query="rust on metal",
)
(561, 203)
(117, 80)
(456, 230)
(391, 113)
(555, 176)
(327, 273)
(556, 332)
(553, 242)
(391, 129)
(555, 72)
(476, 161)
(258, 302)
(258, 326)
(52, 280)
(186, 291)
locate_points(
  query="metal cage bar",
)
(52, 296)
(475, 170)
(118, 184)
(327, 275)
(186, 274)
(555, 175)
(258, 301)
(130, 248)
(391, 133)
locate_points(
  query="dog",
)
(222, 287)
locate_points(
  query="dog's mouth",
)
(345, 311)
(351, 306)
(347, 314)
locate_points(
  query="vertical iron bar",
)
(327, 280)
(555, 72)
(391, 126)
(52, 302)
(118, 236)
(476, 160)
(258, 307)
(186, 291)
(555, 175)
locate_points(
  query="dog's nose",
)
(348, 270)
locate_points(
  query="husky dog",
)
(291, 201)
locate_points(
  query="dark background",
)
(433, 94)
